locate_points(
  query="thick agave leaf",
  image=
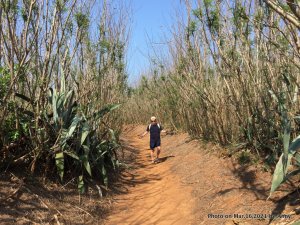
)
(69, 98)
(54, 107)
(50, 94)
(59, 161)
(72, 154)
(85, 132)
(104, 174)
(85, 159)
(102, 143)
(115, 163)
(290, 174)
(286, 141)
(105, 110)
(280, 172)
(103, 153)
(81, 188)
(73, 126)
(87, 166)
(60, 104)
(67, 115)
(295, 145)
(113, 138)
(297, 158)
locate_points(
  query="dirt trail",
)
(192, 183)
(155, 194)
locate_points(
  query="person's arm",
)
(143, 134)
(162, 130)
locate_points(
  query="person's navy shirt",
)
(154, 135)
(154, 131)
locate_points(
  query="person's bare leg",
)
(157, 152)
(152, 155)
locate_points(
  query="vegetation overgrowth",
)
(62, 72)
(231, 76)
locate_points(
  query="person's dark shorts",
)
(154, 143)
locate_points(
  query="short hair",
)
(153, 119)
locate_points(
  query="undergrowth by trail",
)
(230, 75)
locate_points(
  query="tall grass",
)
(61, 73)
(232, 69)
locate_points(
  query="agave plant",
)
(74, 137)
(282, 173)
(77, 138)
(290, 151)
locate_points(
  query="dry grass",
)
(230, 76)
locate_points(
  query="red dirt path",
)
(192, 183)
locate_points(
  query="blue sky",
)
(151, 20)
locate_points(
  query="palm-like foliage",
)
(74, 138)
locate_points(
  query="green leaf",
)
(104, 111)
(102, 143)
(50, 95)
(73, 126)
(68, 113)
(54, 107)
(85, 132)
(279, 173)
(113, 138)
(296, 223)
(59, 104)
(69, 106)
(295, 145)
(104, 174)
(290, 174)
(86, 149)
(113, 163)
(286, 141)
(85, 159)
(59, 161)
(69, 98)
(81, 188)
(297, 158)
(103, 153)
(87, 166)
(72, 154)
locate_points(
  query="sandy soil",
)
(193, 185)
(155, 194)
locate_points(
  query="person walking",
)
(155, 129)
